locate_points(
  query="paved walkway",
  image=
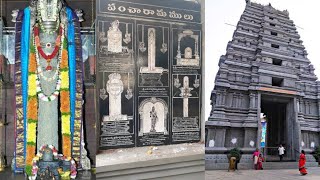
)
(129, 155)
(289, 174)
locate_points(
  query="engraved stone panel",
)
(149, 92)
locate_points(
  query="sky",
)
(218, 13)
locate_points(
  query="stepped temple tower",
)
(264, 73)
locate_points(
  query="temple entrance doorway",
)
(279, 115)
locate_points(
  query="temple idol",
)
(264, 73)
(48, 81)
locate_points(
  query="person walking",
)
(281, 151)
(260, 160)
(255, 158)
(302, 163)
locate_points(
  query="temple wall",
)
(310, 140)
(231, 137)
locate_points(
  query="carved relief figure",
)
(153, 116)
(154, 119)
(115, 89)
(114, 38)
(188, 53)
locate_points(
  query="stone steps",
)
(180, 168)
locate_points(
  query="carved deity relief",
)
(114, 38)
(154, 119)
(115, 89)
(153, 116)
(188, 53)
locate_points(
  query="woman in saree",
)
(259, 164)
(302, 163)
(255, 158)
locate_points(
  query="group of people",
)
(258, 160)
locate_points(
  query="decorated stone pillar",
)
(258, 145)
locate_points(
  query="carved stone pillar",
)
(240, 99)
(234, 100)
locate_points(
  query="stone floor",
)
(289, 174)
(8, 175)
(128, 155)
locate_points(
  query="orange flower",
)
(32, 63)
(64, 59)
(33, 108)
(65, 107)
(65, 94)
(65, 103)
(31, 151)
(66, 146)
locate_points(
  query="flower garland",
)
(65, 100)
(49, 57)
(35, 91)
(73, 168)
(32, 109)
(56, 92)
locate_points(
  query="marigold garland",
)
(65, 101)
(32, 107)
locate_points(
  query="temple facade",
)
(264, 73)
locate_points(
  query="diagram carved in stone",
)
(129, 90)
(151, 75)
(114, 38)
(188, 59)
(153, 116)
(177, 83)
(196, 82)
(164, 47)
(142, 46)
(185, 93)
(127, 36)
(103, 91)
(115, 88)
(151, 54)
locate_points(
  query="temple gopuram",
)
(265, 94)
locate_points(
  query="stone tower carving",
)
(265, 67)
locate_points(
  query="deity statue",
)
(48, 81)
(154, 119)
